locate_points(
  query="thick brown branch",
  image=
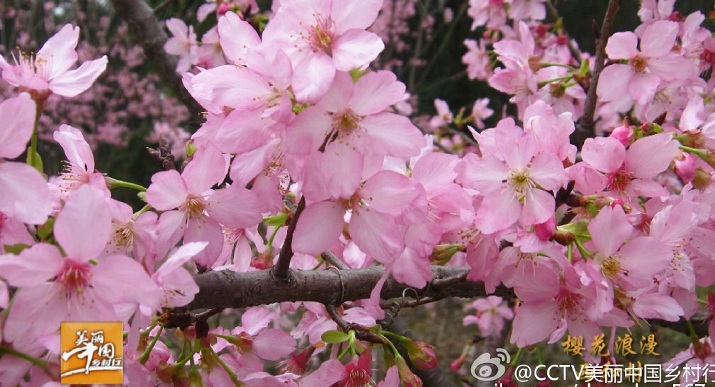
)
(228, 289)
(585, 127)
(147, 32)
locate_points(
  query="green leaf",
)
(16, 248)
(578, 229)
(335, 337)
(276, 220)
(45, 230)
(36, 161)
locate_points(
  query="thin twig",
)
(332, 259)
(361, 332)
(280, 270)
(585, 127)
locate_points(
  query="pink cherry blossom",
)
(324, 36)
(490, 315)
(477, 60)
(513, 181)
(48, 71)
(527, 9)
(647, 67)
(552, 304)
(629, 265)
(182, 43)
(444, 115)
(201, 210)
(56, 288)
(491, 13)
(481, 111)
(626, 173)
(81, 161)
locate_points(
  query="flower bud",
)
(623, 133)
(702, 178)
(458, 362)
(685, 167)
(421, 354)
(443, 253)
(546, 230)
(409, 379)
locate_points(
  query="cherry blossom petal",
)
(376, 91)
(207, 168)
(273, 344)
(645, 256)
(179, 257)
(75, 82)
(329, 373)
(657, 306)
(377, 235)
(58, 53)
(393, 134)
(534, 322)
(18, 115)
(355, 49)
(338, 97)
(609, 229)
(318, 228)
(205, 230)
(76, 148)
(85, 224)
(642, 86)
(242, 131)
(389, 192)
(622, 45)
(538, 207)
(658, 38)
(235, 207)
(178, 288)
(354, 14)
(313, 80)
(606, 154)
(615, 74)
(34, 266)
(341, 168)
(498, 211)
(167, 190)
(649, 156)
(485, 174)
(435, 170)
(121, 279)
(411, 269)
(517, 154)
(547, 171)
(24, 192)
(236, 37)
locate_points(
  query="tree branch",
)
(229, 289)
(585, 126)
(148, 33)
(281, 269)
